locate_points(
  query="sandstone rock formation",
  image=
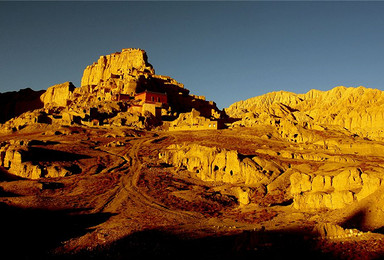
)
(18, 157)
(327, 174)
(107, 96)
(248, 174)
(121, 75)
(35, 117)
(360, 110)
(194, 121)
(124, 65)
(333, 190)
(214, 164)
(59, 95)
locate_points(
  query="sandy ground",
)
(126, 204)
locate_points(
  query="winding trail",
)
(127, 190)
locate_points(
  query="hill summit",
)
(120, 89)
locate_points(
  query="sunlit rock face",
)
(354, 116)
(333, 231)
(332, 191)
(331, 187)
(360, 110)
(20, 158)
(220, 165)
(123, 71)
(126, 73)
(59, 95)
(123, 65)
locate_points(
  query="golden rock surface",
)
(122, 64)
(58, 95)
(360, 110)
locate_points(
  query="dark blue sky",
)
(227, 51)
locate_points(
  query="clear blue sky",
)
(227, 51)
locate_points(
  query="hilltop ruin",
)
(118, 89)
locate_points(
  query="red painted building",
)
(152, 97)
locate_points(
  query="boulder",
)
(242, 195)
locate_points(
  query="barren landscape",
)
(131, 165)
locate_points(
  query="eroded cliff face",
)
(214, 164)
(360, 110)
(248, 176)
(333, 190)
(126, 72)
(244, 173)
(23, 159)
(124, 65)
(312, 179)
(59, 95)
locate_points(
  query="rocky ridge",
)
(13, 104)
(359, 110)
(106, 97)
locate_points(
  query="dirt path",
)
(134, 208)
